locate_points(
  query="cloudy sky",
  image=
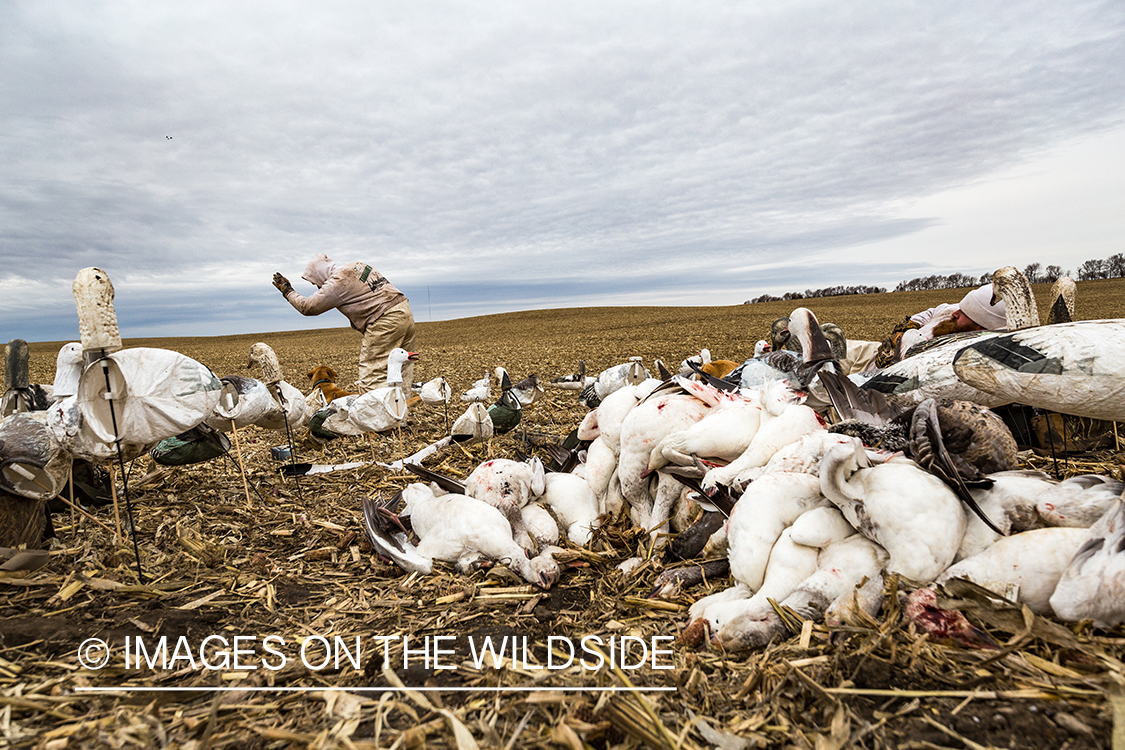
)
(490, 157)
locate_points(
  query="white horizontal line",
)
(263, 689)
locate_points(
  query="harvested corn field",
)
(593, 661)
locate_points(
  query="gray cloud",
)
(568, 154)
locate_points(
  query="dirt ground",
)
(285, 559)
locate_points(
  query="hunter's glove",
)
(282, 284)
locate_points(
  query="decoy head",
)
(779, 333)
(264, 356)
(814, 346)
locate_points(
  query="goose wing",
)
(387, 535)
(446, 483)
(928, 449)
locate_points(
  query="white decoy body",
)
(1093, 585)
(1073, 368)
(1032, 560)
(508, 486)
(270, 403)
(908, 511)
(377, 410)
(460, 529)
(68, 369)
(480, 391)
(528, 391)
(474, 424)
(435, 391)
(572, 500)
(574, 382)
(1078, 501)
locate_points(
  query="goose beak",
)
(412, 356)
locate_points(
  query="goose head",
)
(1063, 292)
(97, 320)
(395, 360)
(805, 327)
(779, 334)
(265, 357)
(1010, 285)
(68, 370)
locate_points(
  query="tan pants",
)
(861, 356)
(392, 329)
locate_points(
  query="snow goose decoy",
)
(454, 528)
(19, 393)
(126, 399)
(480, 391)
(612, 379)
(1093, 585)
(529, 390)
(1063, 293)
(270, 403)
(796, 369)
(474, 423)
(928, 370)
(507, 412)
(375, 411)
(574, 382)
(1072, 368)
(435, 391)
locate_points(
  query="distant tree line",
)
(1112, 267)
(828, 291)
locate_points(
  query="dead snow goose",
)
(1078, 501)
(907, 510)
(1093, 585)
(458, 529)
(1031, 560)
(508, 486)
(572, 500)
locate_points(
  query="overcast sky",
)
(491, 157)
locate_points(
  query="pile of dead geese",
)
(805, 485)
(739, 466)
